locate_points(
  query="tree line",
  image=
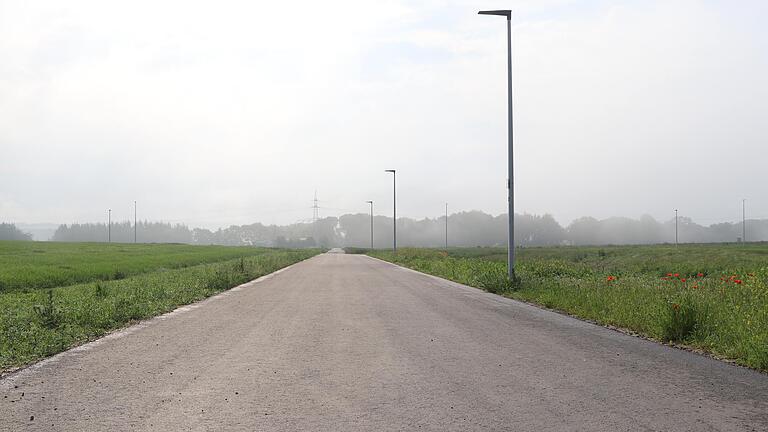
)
(8, 231)
(123, 232)
(472, 228)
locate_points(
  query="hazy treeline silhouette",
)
(476, 228)
(122, 232)
(473, 228)
(8, 231)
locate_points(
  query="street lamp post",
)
(134, 221)
(743, 221)
(394, 208)
(446, 226)
(371, 203)
(109, 225)
(510, 167)
(675, 227)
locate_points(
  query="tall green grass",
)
(628, 287)
(39, 323)
(35, 265)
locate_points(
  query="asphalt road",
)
(342, 342)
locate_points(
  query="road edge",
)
(620, 330)
(12, 375)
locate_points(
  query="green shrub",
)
(100, 289)
(681, 321)
(48, 312)
(492, 278)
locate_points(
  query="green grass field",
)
(102, 287)
(34, 265)
(709, 297)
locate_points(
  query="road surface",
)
(347, 342)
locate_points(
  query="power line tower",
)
(315, 210)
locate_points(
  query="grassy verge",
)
(709, 297)
(33, 265)
(40, 323)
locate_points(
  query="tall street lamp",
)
(371, 203)
(446, 226)
(743, 221)
(675, 227)
(394, 209)
(109, 225)
(510, 168)
(134, 221)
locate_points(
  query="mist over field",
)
(464, 229)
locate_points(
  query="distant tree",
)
(584, 231)
(9, 231)
(470, 228)
(122, 232)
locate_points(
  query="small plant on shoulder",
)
(118, 275)
(218, 280)
(682, 319)
(495, 279)
(100, 290)
(515, 283)
(227, 276)
(49, 313)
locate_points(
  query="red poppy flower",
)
(669, 274)
(700, 275)
(737, 281)
(677, 274)
(682, 280)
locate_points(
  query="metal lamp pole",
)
(109, 225)
(510, 167)
(446, 226)
(394, 208)
(743, 221)
(371, 203)
(134, 221)
(675, 227)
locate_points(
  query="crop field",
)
(107, 286)
(712, 298)
(33, 265)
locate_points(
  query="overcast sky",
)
(218, 113)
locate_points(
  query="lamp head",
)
(505, 12)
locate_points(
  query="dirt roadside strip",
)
(345, 342)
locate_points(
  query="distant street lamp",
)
(134, 221)
(510, 167)
(675, 227)
(446, 226)
(371, 203)
(394, 209)
(743, 221)
(109, 225)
